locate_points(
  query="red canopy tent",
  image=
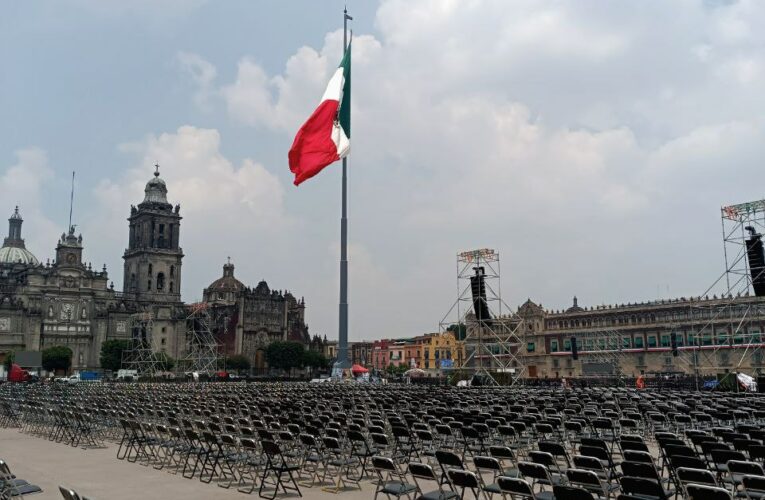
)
(358, 369)
(17, 374)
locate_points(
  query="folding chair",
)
(338, 464)
(738, 469)
(505, 456)
(561, 492)
(391, 482)
(312, 458)
(753, 487)
(250, 465)
(520, 488)
(12, 486)
(448, 460)
(361, 449)
(466, 480)
(686, 476)
(424, 472)
(590, 481)
(488, 465)
(703, 492)
(648, 489)
(277, 464)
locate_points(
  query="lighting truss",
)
(202, 349)
(734, 319)
(139, 355)
(493, 345)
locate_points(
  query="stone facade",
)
(64, 302)
(67, 302)
(249, 319)
(713, 335)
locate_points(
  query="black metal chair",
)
(561, 492)
(640, 487)
(277, 465)
(703, 492)
(466, 480)
(391, 482)
(520, 488)
(424, 472)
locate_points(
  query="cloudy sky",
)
(590, 143)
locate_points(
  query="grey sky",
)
(590, 143)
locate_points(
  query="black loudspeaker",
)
(574, 349)
(673, 343)
(761, 383)
(756, 257)
(478, 288)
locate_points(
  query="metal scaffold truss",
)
(202, 349)
(493, 351)
(603, 351)
(727, 331)
(139, 355)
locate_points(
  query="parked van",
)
(127, 375)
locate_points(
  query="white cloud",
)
(203, 74)
(228, 209)
(590, 143)
(23, 184)
(280, 102)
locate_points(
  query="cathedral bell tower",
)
(153, 257)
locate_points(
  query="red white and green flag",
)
(326, 136)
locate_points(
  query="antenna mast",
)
(71, 202)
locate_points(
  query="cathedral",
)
(67, 302)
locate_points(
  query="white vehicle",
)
(125, 374)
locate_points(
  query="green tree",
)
(164, 362)
(57, 358)
(111, 354)
(458, 329)
(9, 359)
(285, 355)
(314, 359)
(394, 370)
(238, 363)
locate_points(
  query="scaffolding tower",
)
(491, 330)
(727, 330)
(139, 355)
(202, 349)
(601, 353)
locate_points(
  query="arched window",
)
(160, 282)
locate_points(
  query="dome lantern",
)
(14, 250)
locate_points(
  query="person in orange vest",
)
(640, 383)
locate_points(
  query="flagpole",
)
(342, 348)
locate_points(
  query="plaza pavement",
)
(97, 474)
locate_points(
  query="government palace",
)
(68, 302)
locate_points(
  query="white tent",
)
(747, 381)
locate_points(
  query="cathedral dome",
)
(16, 255)
(14, 251)
(574, 308)
(226, 283)
(156, 190)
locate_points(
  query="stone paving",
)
(97, 474)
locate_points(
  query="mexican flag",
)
(326, 136)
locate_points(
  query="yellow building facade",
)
(436, 351)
